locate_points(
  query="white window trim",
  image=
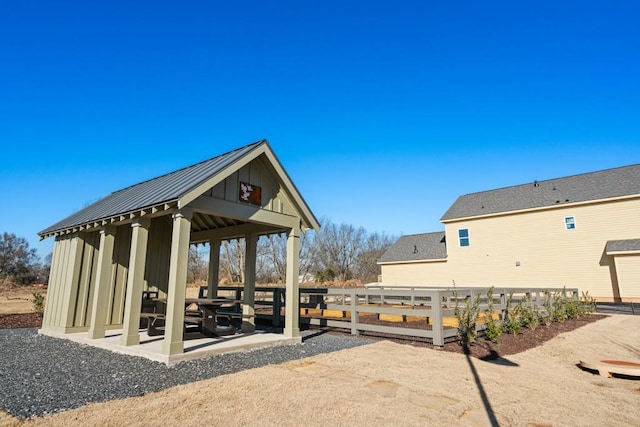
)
(466, 238)
(566, 224)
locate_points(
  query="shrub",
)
(574, 309)
(511, 322)
(559, 307)
(588, 302)
(467, 318)
(493, 327)
(529, 313)
(547, 315)
(38, 303)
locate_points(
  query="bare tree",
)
(336, 252)
(273, 251)
(198, 263)
(17, 261)
(232, 254)
(339, 247)
(308, 255)
(367, 268)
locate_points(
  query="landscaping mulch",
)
(22, 320)
(526, 339)
(481, 349)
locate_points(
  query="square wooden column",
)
(135, 282)
(249, 296)
(103, 283)
(292, 299)
(72, 284)
(173, 337)
(214, 268)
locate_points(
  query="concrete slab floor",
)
(196, 345)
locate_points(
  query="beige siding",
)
(628, 271)
(548, 254)
(417, 274)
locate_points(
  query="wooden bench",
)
(152, 329)
(230, 316)
(151, 320)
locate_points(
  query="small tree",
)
(493, 327)
(467, 317)
(38, 303)
(511, 318)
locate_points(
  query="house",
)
(137, 240)
(579, 231)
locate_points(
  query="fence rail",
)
(349, 308)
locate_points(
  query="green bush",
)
(38, 303)
(493, 327)
(574, 309)
(588, 302)
(529, 313)
(511, 322)
(559, 307)
(547, 315)
(467, 318)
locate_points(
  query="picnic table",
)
(209, 307)
(204, 315)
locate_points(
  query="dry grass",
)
(17, 299)
(387, 383)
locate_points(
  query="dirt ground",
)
(18, 300)
(388, 383)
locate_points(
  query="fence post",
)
(354, 312)
(277, 307)
(239, 298)
(436, 325)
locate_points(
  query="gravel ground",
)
(42, 375)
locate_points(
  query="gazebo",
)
(137, 239)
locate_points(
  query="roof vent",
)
(536, 184)
(415, 249)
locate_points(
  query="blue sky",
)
(381, 112)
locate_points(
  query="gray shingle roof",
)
(417, 247)
(623, 245)
(618, 182)
(163, 189)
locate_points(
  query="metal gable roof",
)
(417, 247)
(606, 184)
(164, 189)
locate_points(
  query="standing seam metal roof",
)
(610, 183)
(163, 189)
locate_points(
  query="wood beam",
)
(233, 232)
(243, 212)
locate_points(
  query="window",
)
(570, 222)
(463, 236)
